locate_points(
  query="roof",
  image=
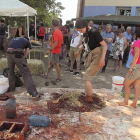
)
(15, 8)
(114, 19)
(124, 3)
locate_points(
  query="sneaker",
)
(35, 94)
(76, 74)
(71, 71)
(103, 71)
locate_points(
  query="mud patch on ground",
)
(74, 101)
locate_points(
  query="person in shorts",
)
(55, 50)
(133, 76)
(94, 54)
(76, 43)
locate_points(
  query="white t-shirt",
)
(76, 37)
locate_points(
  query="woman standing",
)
(133, 76)
(118, 50)
(20, 31)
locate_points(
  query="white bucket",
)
(4, 84)
(117, 83)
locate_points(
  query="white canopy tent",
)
(16, 8)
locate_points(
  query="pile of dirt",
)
(74, 101)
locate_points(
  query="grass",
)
(130, 97)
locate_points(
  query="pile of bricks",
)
(13, 131)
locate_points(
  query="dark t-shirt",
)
(17, 33)
(20, 43)
(32, 31)
(3, 29)
(94, 39)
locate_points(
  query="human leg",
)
(77, 59)
(72, 63)
(136, 93)
(115, 64)
(120, 65)
(11, 74)
(58, 70)
(48, 69)
(78, 66)
(127, 83)
(72, 58)
(26, 74)
(106, 60)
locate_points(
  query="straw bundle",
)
(37, 54)
(36, 66)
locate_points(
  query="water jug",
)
(41, 121)
(10, 108)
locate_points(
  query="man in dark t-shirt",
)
(32, 31)
(3, 29)
(16, 56)
(94, 54)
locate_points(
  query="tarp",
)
(114, 19)
(15, 8)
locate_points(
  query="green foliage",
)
(46, 11)
(130, 97)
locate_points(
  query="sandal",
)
(44, 76)
(58, 80)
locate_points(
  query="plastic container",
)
(117, 83)
(46, 37)
(38, 121)
(10, 108)
(4, 84)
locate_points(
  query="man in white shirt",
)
(76, 43)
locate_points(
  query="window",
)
(138, 12)
(124, 11)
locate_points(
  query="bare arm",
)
(108, 40)
(136, 56)
(20, 31)
(104, 49)
(26, 52)
(54, 45)
(125, 43)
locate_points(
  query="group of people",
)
(84, 40)
(97, 46)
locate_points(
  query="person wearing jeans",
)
(108, 37)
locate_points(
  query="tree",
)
(46, 11)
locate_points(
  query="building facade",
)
(88, 8)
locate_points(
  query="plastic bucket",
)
(4, 84)
(117, 83)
